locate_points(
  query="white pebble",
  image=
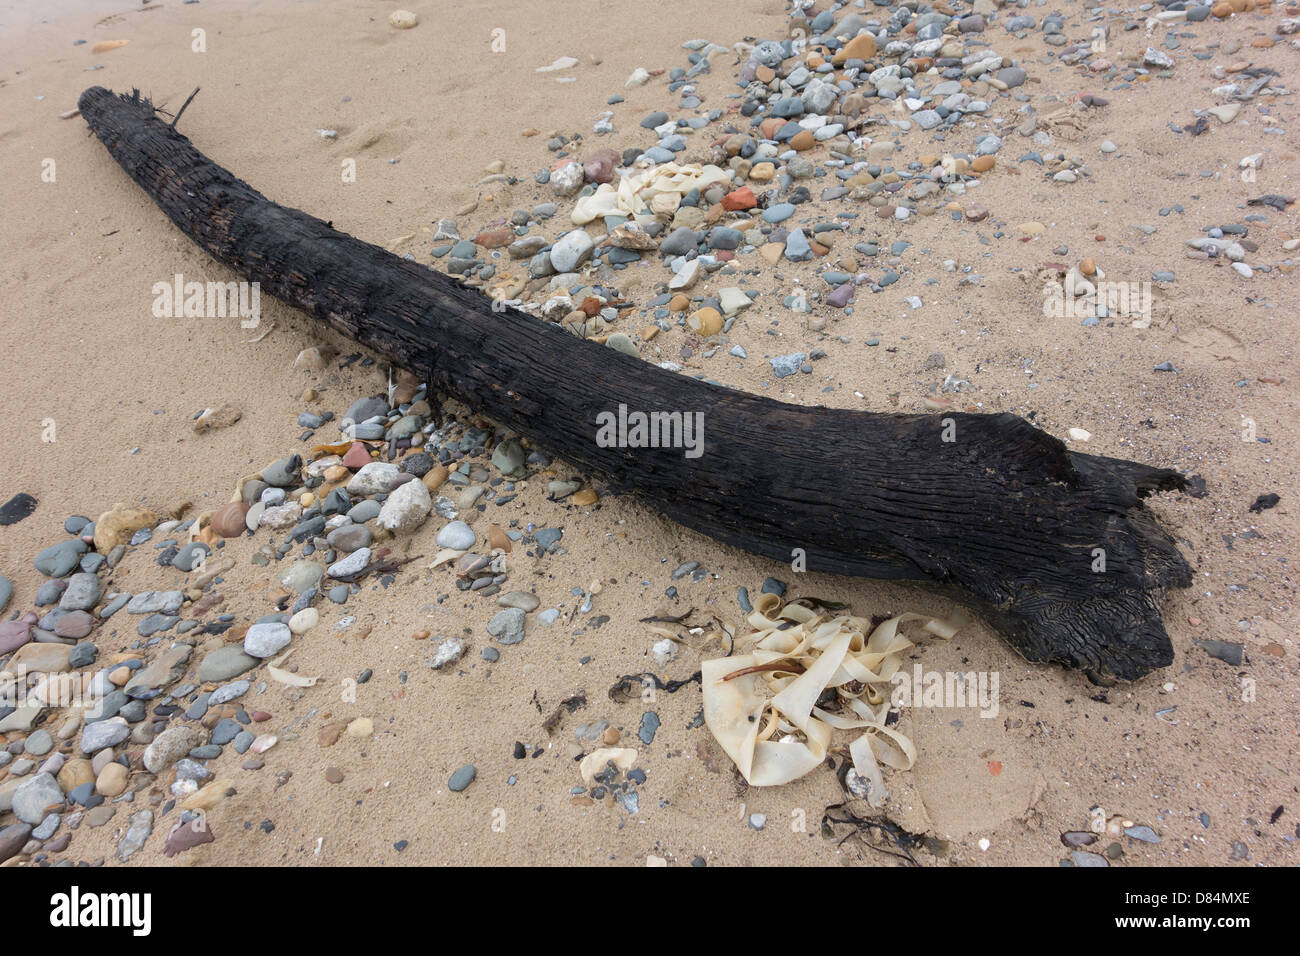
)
(304, 620)
(664, 651)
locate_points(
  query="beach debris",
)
(763, 707)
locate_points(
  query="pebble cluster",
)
(891, 111)
(144, 721)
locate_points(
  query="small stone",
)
(507, 626)
(283, 473)
(34, 799)
(58, 560)
(41, 658)
(304, 620)
(104, 733)
(267, 640)
(137, 833)
(354, 563)
(112, 780)
(39, 743)
(706, 321)
(457, 535)
(406, 508)
(861, 47)
(186, 835)
(787, 365)
(374, 478)
(462, 778)
(12, 839)
(649, 727)
(17, 508)
(76, 773)
(449, 651)
(519, 599)
(1142, 833)
(225, 663)
(229, 521)
(571, 250)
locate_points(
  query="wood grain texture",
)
(1002, 514)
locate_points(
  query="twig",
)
(792, 667)
(177, 118)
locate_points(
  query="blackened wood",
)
(1003, 513)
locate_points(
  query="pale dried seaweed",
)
(768, 708)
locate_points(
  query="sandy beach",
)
(1107, 164)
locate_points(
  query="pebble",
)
(225, 663)
(354, 563)
(304, 620)
(519, 599)
(112, 780)
(1142, 833)
(12, 839)
(33, 798)
(507, 626)
(406, 508)
(373, 479)
(571, 250)
(302, 576)
(350, 537)
(462, 778)
(649, 727)
(17, 508)
(170, 746)
(151, 602)
(58, 560)
(787, 365)
(267, 640)
(82, 592)
(449, 651)
(104, 733)
(457, 535)
(138, 830)
(47, 827)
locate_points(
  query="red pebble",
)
(357, 456)
(259, 716)
(742, 198)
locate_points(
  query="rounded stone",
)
(457, 535)
(112, 780)
(39, 743)
(230, 520)
(267, 639)
(304, 620)
(462, 778)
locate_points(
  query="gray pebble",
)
(462, 778)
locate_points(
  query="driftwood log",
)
(1053, 547)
